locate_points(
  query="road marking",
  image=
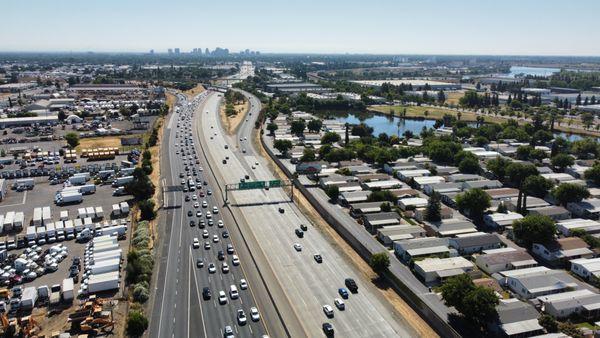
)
(197, 294)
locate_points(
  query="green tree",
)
(272, 127)
(314, 125)
(382, 195)
(469, 166)
(517, 173)
(385, 207)
(434, 208)
(140, 187)
(586, 147)
(498, 166)
(297, 127)
(479, 305)
(534, 229)
(380, 262)
(524, 152)
(570, 193)
(537, 186)
(308, 155)
(283, 146)
(474, 202)
(137, 323)
(593, 174)
(72, 140)
(330, 137)
(456, 288)
(587, 119)
(147, 211)
(562, 161)
(549, 323)
(332, 191)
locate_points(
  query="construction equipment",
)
(98, 325)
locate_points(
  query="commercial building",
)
(415, 84)
(28, 121)
(297, 87)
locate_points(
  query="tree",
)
(330, 137)
(498, 166)
(297, 127)
(587, 119)
(537, 186)
(283, 146)
(570, 193)
(562, 161)
(333, 191)
(314, 125)
(72, 140)
(441, 97)
(479, 305)
(584, 148)
(61, 115)
(137, 323)
(385, 207)
(147, 209)
(524, 152)
(475, 202)
(140, 187)
(534, 229)
(456, 288)
(517, 173)
(382, 195)
(434, 207)
(272, 127)
(593, 173)
(548, 322)
(380, 262)
(469, 166)
(308, 155)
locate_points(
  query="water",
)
(518, 71)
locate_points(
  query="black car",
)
(187, 198)
(299, 233)
(303, 227)
(205, 183)
(351, 285)
(328, 329)
(318, 258)
(225, 234)
(190, 213)
(201, 224)
(199, 262)
(221, 255)
(281, 210)
(192, 223)
(206, 293)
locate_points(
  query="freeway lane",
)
(307, 285)
(179, 310)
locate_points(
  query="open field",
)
(99, 142)
(453, 97)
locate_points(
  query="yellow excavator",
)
(25, 326)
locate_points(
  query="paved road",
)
(307, 284)
(179, 307)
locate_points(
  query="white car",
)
(215, 238)
(196, 243)
(215, 210)
(204, 233)
(207, 245)
(243, 284)
(208, 215)
(225, 268)
(254, 314)
(220, 223)
(298, 246)
(328, 310)
(212, 268)
(222, 297)
(235, 260)
(233, 292)
(204, 204)
(339, 304)
(241, 317)
(194, 197)
(196, 205)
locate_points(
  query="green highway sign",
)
(251, 185)
(274, 183)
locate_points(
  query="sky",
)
(479, 27)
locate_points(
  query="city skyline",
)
(387, 27)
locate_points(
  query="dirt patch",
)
(194, 91)
(99, 142)
(232, 122)
(403, 310)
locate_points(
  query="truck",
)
(8, 221)
(120, 230)
(81, 213)
(64, 215)
(99, 212)
(70, 198)
(68, 293)
(124, 208)
(46, 215)
(43, 293)
(18, 220)
(41, 235)
(55, 295)
(104, 239)
(122, 181)
(24, 184)
(85, 174)
(120, 191)
(31, 235)
(60, 230)
(102, 282)
(69, 229)
(104, 247)
(78, 224)
(50, 233)
(126, 164)
(87, 223)
(101, 256)
(116, 210)
(84, 235)
(105, 174)
(91, 213)
(87, 189)
(77, 180)
(105, 266)
(126, 171)
(37, 217)
(29, 298)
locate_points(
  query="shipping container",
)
(104, 266)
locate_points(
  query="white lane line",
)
(198, 295)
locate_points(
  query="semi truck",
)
(24, 183)
(69, 229)
(68, 293)
(87, 189)
(29, 298)
(31, 235)
(70, 198)
(102, 282)
(122, 181)
(105, 266)
(120, 230)
(37, 216)
(77, 180)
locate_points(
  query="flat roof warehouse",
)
(416, 84)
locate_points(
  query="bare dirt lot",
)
(232, 122)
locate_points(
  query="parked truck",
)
(68, 293)
(60, 230)
(8, 221)
(77, 180)
(24, 184)
(104, 266)
(87, 189)
(120, 230)
(116, 210)
(106, 255)
(41, 235)
(37, 216)
(29, 298)
(124, 208)
(31, 235)
(70, 198)
(122, 181)
(64, 215)
(99, 212)
(103, 248)
(46, 215)
(18, 220)
(69, 229)
(102, 282)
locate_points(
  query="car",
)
(201, 224)
(194, 197)
(225, 234)
(298, 246)
(351, 285)
(243, 284)
(235, 260)
(187, 198)
(190, 213)
(196, 243)
(281, 210)
(206, 293)
(299, 233)
(220, 223)
(210, 222)
(228, 332)
(233, 292)
(201, 193)
(209, 192)
(192, 223)
(204, 233)
(199, 262)
(343, 292)
(205, 182)
(339, 304)
(204, 204)
(225, 268)
(208, 215)
(254, 315)
(241, 317)
(328, 329)
(244, 151)
(196, 205)
(303, 227)
(221, 255)
(199, 213)
(318, 258)
(230, 248)
(207, 245)
(215, 210)
(328, 310)
(222, 297)
(215, 238)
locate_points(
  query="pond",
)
(519, 71)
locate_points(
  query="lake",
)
(519, 71)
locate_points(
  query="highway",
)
(179, 308)
(307, 285)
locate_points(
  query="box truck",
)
(102, 282)
(78, 224)
(105, 266)
(124, 208)
(116, 210)
(77, 180)
(120, 230)
(64, 215)
(81, 213)
(18, 220)
(8, 221)
(87, 189)
(69, 229)
(50, 233)
(41, 235)
(122, 181)
(29, 298)
(60, 230)
(46, 215)
(24, 183)
(70, 198)
(68, 293)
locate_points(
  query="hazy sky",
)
(523, 27)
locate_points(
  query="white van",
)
(233, 292)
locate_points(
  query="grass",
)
(99, 142)
(453, 97)
(586, 325)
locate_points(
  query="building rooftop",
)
(440, 264)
